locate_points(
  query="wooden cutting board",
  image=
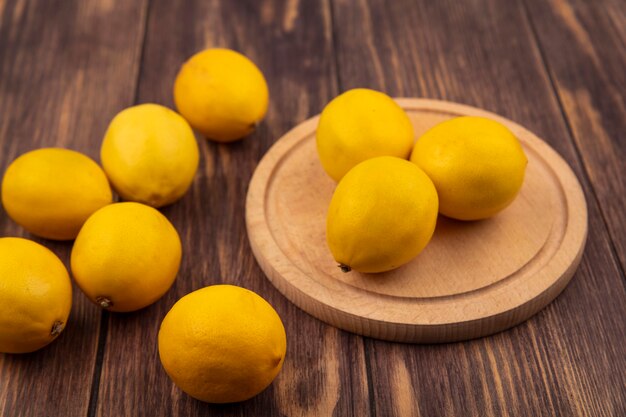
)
(472, 280)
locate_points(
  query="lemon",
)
(476, 164)
(150, 154)
(51, 191)
(222, 344)
(358, 125)
(35, 295)
(382, 214)
(221, 93)
(126, 256)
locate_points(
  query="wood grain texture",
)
(473, 279)
(570, 358)
(65, 67)
(324, 370)
(584, 47)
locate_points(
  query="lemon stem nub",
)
(57, 328)
(344, 268)
(104, 302)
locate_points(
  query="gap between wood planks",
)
(338, 88)
(92, 407)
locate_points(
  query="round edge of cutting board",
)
(321, 301)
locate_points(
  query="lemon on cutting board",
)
(150, 154)
(126, 256)
(35, 295)
(476, 164)
(52, 191)
(222, 344)
(361, 124)
(222, 94)
(381, 215)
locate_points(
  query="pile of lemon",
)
(220, 343)
(224, 343)
(384, 210)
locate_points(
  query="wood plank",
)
(570, 358)
(65, 68)
(584, 46)
(324, 371)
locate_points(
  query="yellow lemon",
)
(126, 256)
(221, 93)
(358, 125)
(382, 214)
(150, 154)
(476, 164)
(51, 191)
(222, 344)
(35, 295)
